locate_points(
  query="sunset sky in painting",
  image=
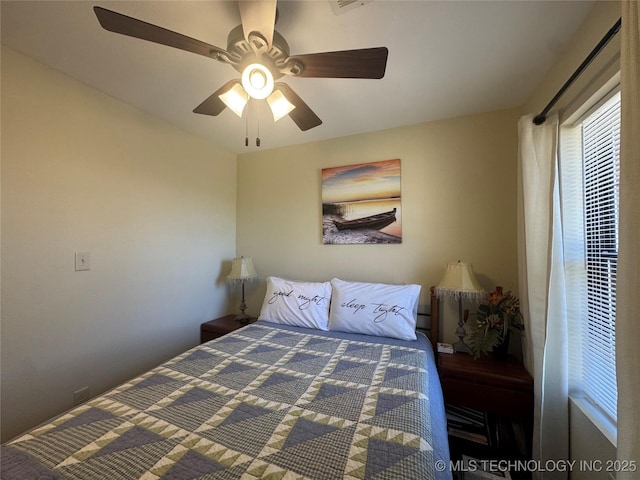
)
(365, 181)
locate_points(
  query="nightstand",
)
(502, 390)
(220, 326)
(501, 387)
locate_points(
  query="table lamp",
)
(460, 282)
(242, 270)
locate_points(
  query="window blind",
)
(601, 157)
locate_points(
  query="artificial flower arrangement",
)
(494, 322)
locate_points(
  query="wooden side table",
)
(503, 390)
(493, 386)
(220, 326)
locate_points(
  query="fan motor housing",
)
(276, 58)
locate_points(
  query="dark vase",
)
(500, 352)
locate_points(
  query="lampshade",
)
(235, 98)
(459, 281)
(279, 105)
(242, 269)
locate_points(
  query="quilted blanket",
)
(264, 402)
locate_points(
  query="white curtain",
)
(542, 286)
(628, 300)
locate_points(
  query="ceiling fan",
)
(261, 55)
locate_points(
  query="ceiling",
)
(446, 59)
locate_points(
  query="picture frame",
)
(362, 203)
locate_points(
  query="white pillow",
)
(302, 304)
(374, 309)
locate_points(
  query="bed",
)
(270, 400)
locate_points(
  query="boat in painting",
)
(375, 222)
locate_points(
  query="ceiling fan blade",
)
(214, 105)
(363, 63)
(119, 23)
(302, 115)
(258, 16)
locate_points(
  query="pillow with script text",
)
(374, 309)
(302, 304)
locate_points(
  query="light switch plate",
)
(83, 261)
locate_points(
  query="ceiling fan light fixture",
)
(256, 40)
(257, 81)
(235, 98)
(279, 105)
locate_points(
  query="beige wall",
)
(606, 65)
(154, 206)
(588, 447)
(458, 202)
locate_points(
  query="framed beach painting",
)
(362, 203)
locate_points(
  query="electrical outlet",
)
(81, 395)
(83, 261)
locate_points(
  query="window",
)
(601, 157)
(590, 181)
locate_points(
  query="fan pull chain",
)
(246, 123)
(258, 125)
(246, 128)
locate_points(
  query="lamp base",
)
(461, 347)
(242, 318)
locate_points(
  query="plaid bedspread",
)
(264, 402)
